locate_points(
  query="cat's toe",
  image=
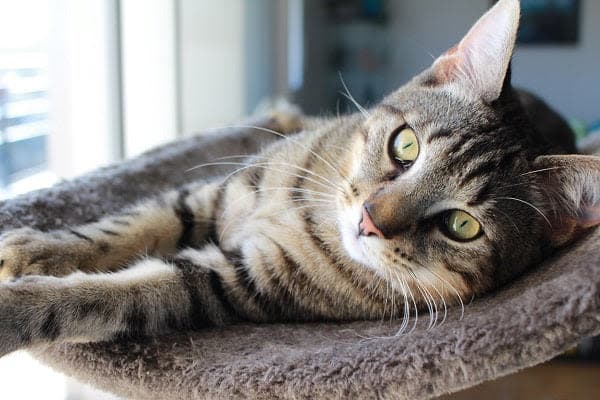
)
(27, 252)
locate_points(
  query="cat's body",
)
(342, 221)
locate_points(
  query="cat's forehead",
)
(429, 108)
(465, 146)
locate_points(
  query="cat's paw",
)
(285, 122)
(29, 252)
(284, 117)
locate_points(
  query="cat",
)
(442, 191)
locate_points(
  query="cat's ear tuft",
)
(572, 186)
(479, 63)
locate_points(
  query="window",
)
(84, 83)
(24, 106)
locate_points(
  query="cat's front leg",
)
(156, 227)
(151, 297)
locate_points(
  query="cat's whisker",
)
(215, 164)
(282, 163)
(291, 210)
(234, 156)
(294, 209)
(260, 190)
(333, 146)
(325, 180)
(460, 299)
(540, 170)
(514, 185)
(385, 298)
(530, 205)
(443, 303)
(244, 166)
(267, 166)
(296, 190)
(509, 219)
(323, 184)
(432, 303)
(393, 312)
(428, 300)
(376, 289)
(403, 324)
(312, 200)
(387, 293)
(349, 96)
(271, 131)
(406, 311)
(412, 297)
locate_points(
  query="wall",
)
(212, 89)
(568, 77)
(230, 53)
(85, 127)
(148, 55)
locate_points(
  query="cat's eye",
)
(405, 146)
(461, 226)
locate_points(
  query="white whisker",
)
(261, 129)
(349, 96)
(266, 166)
(282, 163)
(429, 300)
(462, 304)
(406, 311)
(529, 204)
(540, 170)
(412, 297)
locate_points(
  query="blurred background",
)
(85, 83)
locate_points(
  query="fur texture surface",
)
(530, 321)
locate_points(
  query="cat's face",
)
(445, 175)
(441, 190)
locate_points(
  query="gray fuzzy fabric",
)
(526, 323)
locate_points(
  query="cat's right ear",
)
(478, 65)
(571, 184)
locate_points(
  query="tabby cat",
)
(443, 191)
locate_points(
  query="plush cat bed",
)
(526, 323)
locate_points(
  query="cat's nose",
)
(367, 227)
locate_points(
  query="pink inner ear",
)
(446, 65)
(590, 217)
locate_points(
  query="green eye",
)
(406, 146)
(462, 226)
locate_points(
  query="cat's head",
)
(452, 184)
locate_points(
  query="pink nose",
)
(367, 227)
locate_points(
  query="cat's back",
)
(547, 122)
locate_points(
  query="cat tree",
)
(528, 322)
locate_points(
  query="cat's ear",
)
(479, 63)
(572, 185)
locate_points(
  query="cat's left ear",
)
(572, 184)
(479, 63)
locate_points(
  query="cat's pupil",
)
(460, 225)
(404, 146)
